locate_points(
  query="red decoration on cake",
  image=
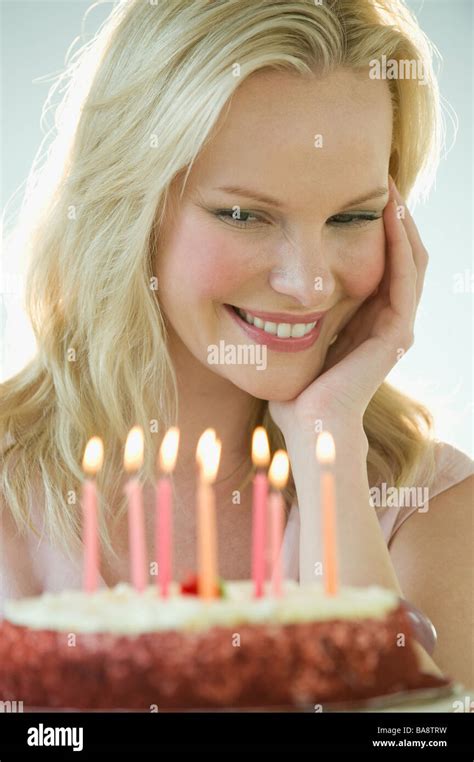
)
(190, 586)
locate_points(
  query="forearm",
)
(363, 556)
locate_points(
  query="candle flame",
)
(260, 448)
(325, 449)
(133, 457)
(211, 462)
(208, 455)
(93, 456)
(169, 450)
(279, 470)
(205, 442)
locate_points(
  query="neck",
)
(208, 400)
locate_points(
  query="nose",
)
(304, 274)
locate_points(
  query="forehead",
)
(269, 129)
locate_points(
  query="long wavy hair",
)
(138, 102)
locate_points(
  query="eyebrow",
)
(237, 190)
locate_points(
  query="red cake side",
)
(274, 665)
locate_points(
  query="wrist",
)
(347, 434)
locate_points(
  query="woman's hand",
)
(374, 339)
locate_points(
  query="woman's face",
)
(316, 148)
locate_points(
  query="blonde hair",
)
(140, 101)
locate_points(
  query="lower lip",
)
(274, 342)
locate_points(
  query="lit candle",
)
(278, 477)
(163, 525)
(326, 454)
(261, 458)
(208, 456)
(91, 464)
(133, 461)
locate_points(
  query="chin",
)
(280, 388)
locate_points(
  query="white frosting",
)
(121, 610)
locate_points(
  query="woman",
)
(227, 183)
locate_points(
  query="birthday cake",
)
(117, 648)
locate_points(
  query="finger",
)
(411, 228)
(420, 254)
(403, 271)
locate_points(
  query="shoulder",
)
(448, 510)
(450, 481)
(452, 466)
(446, 503)
(440, 467)
(432, 556)
(17, 574)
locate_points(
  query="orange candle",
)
(163, 524)
(208, 456)
(133, 461)
(91, 464)
(261, 459)
(278, 476)
(326, 455)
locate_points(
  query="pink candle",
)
(326, 454)
(163, 526)
(260, 457)
(278, 476)
(208, 457)
(133, 460)
(91, 464)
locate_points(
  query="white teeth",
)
(270, 328)
(282, 330)
(298, 330)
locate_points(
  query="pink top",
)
(30, 565)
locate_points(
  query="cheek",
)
(207, 265)
(362, 265)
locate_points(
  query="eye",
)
(359, 219)
(238, 217)
(245, 219)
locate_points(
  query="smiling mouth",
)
(281, 330)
